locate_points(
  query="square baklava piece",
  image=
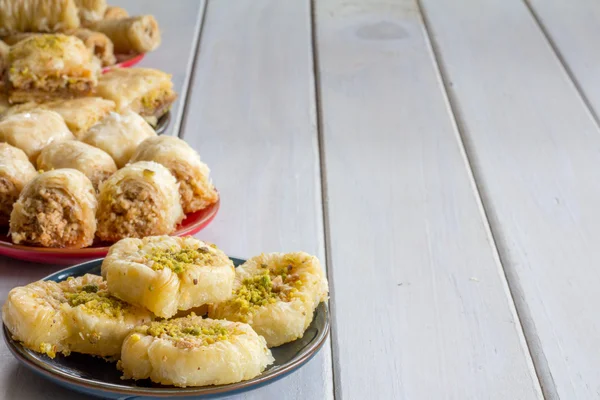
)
(148, 92)
(50, 66)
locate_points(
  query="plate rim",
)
(128, 63)
(21, 354)
(98, 251)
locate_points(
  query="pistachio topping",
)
(97, 302)
(179, 259)
(186, 331)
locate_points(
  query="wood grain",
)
(179, 22)
(422, 309)
(573, 28)
(536, 152)
(178, 19)
(253, 121)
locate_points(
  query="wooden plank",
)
(180, 19)
(254, 123)
(536, 151)
(573, 28)
(421, 304)
(179, 22)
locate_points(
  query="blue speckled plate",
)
(100, 378)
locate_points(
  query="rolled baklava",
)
(130, 35)
(148, 92)
(139, 200)
(15, 172)
(94, 163)
(37, 16)
(50, 66)
(115, 13)
(165, 274)
(193, 351)
(276, 294)
(55, 209)
(98, 322)
(119, 135)
(91, 10)
(32, 130)
(195, 187)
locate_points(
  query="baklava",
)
(165, 274)
(55, 209)
(37, 16)
(276, 294)
(139, 200)
(91, 10)
(94, 163)
(113, 12)
(76, 315)
(15, 172)
(130, 35)
(195, 187)
(193, 351)
(119, 135)
(148, 92)
(32, 130)
(49, 66)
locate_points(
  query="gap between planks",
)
(192, 68)
(563, 62)
(333, 339)
(512, 292)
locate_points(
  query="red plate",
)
(192, 224)
(125, 62)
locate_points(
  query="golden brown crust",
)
(50, 65)
(56, 209)
(148, 92)
(37, 16)
(115, 13)
(139, 200)
(91, 10)
(130, 35)
(98, 43)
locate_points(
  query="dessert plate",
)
(95, 376)
(192, 224)
(125, 61)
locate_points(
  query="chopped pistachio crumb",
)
(179, 259)
(185, 329)
(96, 302)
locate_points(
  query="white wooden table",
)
(441, 157)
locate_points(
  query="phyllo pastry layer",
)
(165, 274)
(139, 200)
(148, 92)
(276, 294)
(195, 187)
(43, 67)
(15, 172)
(119, 135)
(94, 163)
(193, 351)
(55, 209)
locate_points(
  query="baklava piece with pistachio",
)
(193, 351)
(50, 66)
(76, 315)
(276, 294)
(146, 91)
(98, 321)
(166, 274)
